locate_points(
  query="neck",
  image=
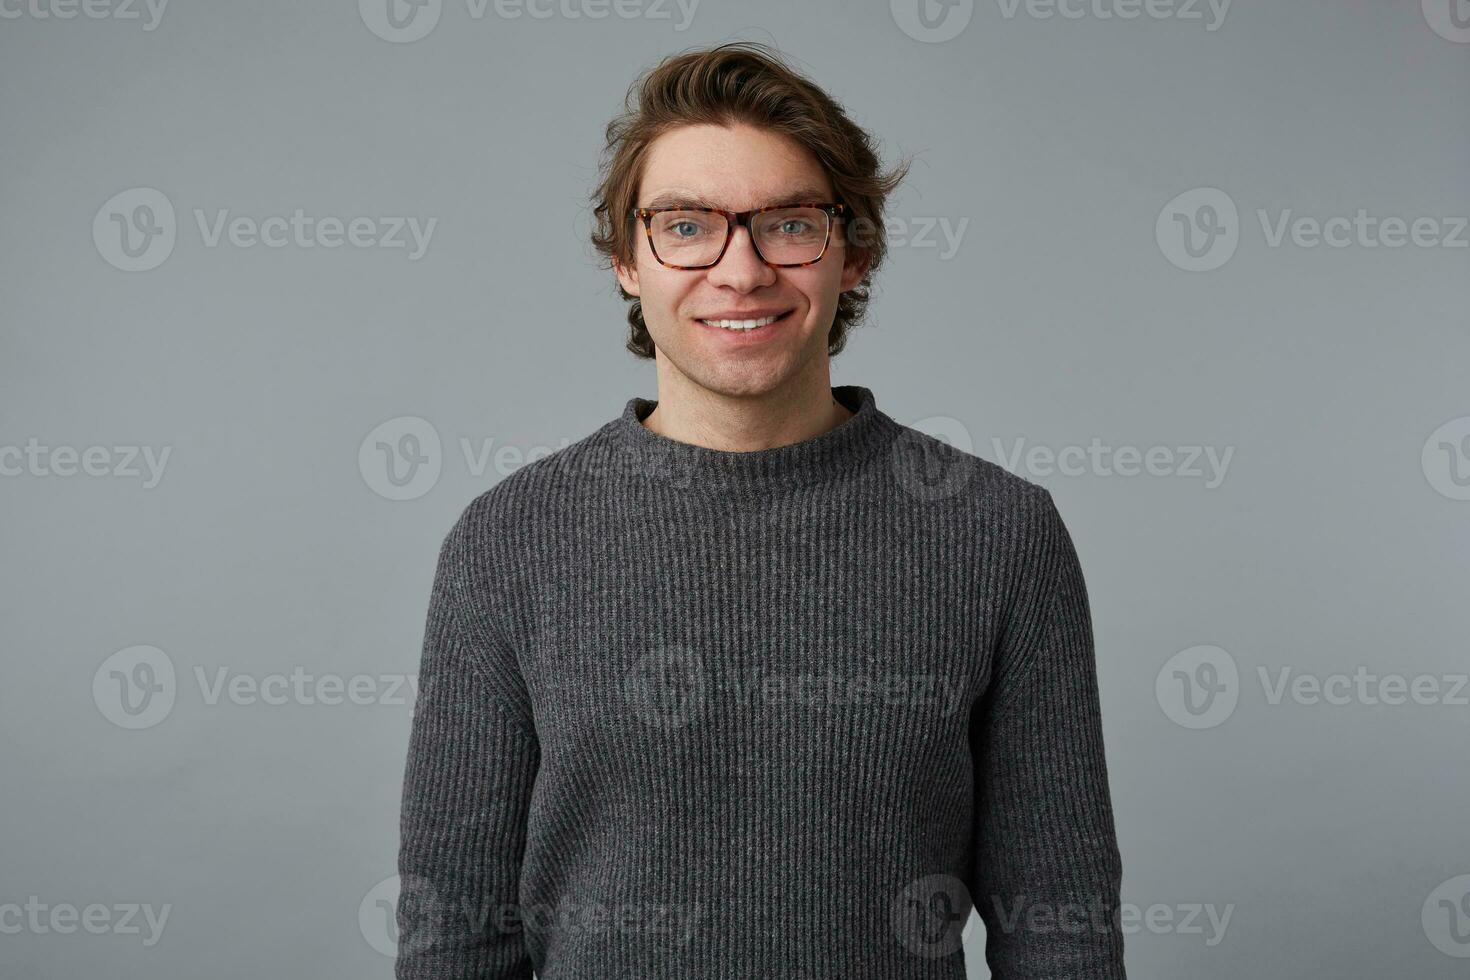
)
(754, 474)
(797, 410)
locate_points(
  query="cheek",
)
(663, 290)
(821, 286)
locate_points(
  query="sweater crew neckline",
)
(839, 450)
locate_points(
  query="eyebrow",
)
(687, 199)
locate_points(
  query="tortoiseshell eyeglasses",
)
(784, 235)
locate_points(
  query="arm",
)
(1048, 869)
(472, 761)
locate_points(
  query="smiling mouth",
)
(744, 326)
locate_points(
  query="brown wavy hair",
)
(741, 82)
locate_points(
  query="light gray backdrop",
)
(1200, 271)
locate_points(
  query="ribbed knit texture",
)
(780, 714)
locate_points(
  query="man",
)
(754, 681)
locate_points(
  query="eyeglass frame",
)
(733, 219)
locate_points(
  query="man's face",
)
(737, 168)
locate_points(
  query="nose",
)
(741, 268)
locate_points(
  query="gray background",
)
(1338, 539)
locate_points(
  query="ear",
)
(854, 267)
(627, 277)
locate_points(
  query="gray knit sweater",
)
(705, 715)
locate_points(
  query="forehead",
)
(735, 167)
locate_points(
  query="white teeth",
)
(741, 324)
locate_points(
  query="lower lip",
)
(752, 336)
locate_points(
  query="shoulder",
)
(1012, 524)
(505, 517)
(935, 472)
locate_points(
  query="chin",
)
(736, 380)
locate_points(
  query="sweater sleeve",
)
(1048, 869)
(472, 761)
